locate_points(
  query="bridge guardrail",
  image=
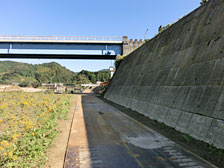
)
(60, 38)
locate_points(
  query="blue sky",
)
(89, 18)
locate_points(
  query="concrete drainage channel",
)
(199, 148)
(104, 137)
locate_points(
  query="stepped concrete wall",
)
(177, 78)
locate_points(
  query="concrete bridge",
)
(66, 47)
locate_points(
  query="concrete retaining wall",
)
(130, 45)
(178, 77)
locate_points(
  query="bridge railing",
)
(60, 38)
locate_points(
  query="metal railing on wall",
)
(59, 38)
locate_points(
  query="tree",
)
(203, 1)
(92, 78)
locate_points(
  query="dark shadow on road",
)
(105, 147)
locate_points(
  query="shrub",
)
(24, 84)
(35, 84)
(118, 61)
(203, 1)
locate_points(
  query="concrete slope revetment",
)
(177, 77)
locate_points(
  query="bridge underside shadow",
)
(58, 56)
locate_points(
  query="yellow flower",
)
(0, 121)
(14, 158)
(10, 144)
(1, 148)
(10, 153)
(15, 136)
(26, 103)
(29, 127)
(5, 143)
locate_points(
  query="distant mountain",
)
(54, 73)
(15, 72)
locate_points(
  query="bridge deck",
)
(60, 47)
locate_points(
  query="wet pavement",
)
(103, 137)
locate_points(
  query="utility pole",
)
(145, 33)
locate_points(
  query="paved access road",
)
(103, 137)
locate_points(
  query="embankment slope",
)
(178, 77)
